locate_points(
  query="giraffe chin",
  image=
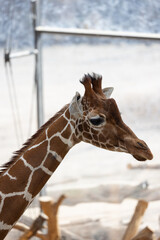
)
(142, 159)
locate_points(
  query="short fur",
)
(30, 141)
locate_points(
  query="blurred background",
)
(101, 188)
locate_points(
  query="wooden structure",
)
(145, 234)
(51, 231)
(133, 226)
(131, 232)
(51, 209)
(144, 166)
(50, 214)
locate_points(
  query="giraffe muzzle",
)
(145, 152)
(139, 149)
(142, 159)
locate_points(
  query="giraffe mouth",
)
(138, 149)
(144, 154)
(142, 159)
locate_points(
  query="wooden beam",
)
(145, 234)
(36, 225)
(50, 208)
(133, 226)
(144, 166)
(22, 227)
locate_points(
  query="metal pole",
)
(38, 67)
(97, 33)
(38, 70)
(22, 54)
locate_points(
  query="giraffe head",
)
(99, 122)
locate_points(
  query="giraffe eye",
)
(97, 120)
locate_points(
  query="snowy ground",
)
(133, 70)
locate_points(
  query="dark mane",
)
(30, 141)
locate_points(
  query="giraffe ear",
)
(108, 91)
(75, 107)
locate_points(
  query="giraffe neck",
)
(31, 169)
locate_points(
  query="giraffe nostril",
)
(142, 145)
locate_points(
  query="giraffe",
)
(93, 118)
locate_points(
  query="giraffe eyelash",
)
(97, 120)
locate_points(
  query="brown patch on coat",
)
(67, 132)
(36, 155)
(4, 233)
(60, 147)
(17, 170)
(57, 127)
(39, 178)
(17, 205)
(51, 163)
